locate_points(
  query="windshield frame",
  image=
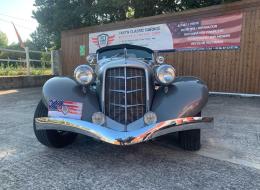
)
(125, 48)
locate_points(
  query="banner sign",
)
(223, 32)
(156, 37)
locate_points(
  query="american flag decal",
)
(67, 109)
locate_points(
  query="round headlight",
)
(84, 74)
(150, 118)
(165, 74)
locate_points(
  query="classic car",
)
(123, 95)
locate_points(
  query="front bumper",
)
(119, 137)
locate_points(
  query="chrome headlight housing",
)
(90, 59)
(98, 118)
(150, 118)
(84, 74)
(160, 59)
(165, 74)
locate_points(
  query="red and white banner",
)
(223, 32)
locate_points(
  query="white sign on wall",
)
(155, 37)
(212, 33)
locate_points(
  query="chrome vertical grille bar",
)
(136, 96)
(142, 95)
(131, 101)
(115, 82)
(125, 97)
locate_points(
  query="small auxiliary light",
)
(98, 118)
(150, 118)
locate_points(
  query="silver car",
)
(124, 95)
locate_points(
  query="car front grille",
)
(125, 94)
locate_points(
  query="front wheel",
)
(51, 138)
(190, 140)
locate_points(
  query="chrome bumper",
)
(123, 138)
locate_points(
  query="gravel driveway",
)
(229, 157)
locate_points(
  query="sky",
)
(20, 13)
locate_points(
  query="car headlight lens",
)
(98, 118)
(84, 74)
(150, 118)
(165, 74)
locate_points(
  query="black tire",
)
(51, 138)
(190, 140)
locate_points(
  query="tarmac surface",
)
(229, 157)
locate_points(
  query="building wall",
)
(222, 70)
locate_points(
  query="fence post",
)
(52, 62)
(27, 60)
(56, 62)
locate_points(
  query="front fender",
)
(64, 88)
(185, 97)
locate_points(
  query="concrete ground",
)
(229, 157)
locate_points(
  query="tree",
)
(41, 39)
(3, 39)
(55, 16)
(144, 8)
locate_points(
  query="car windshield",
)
(138, 53)
(111, 54)
(131, 53)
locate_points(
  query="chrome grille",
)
(125, 94)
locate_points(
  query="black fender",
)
(185, 97)
(67, 89)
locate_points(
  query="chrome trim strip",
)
(125, 128)
(128, 91)
(147, 74)
(122, 137)
(120, 77)
(120, 91)
(117, 77)
(134, 77)
(128, 106)
(235, 94)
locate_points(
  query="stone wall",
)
(23, 81)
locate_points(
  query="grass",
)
(18, 71)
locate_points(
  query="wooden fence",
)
(27, 58)
(222, 70)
